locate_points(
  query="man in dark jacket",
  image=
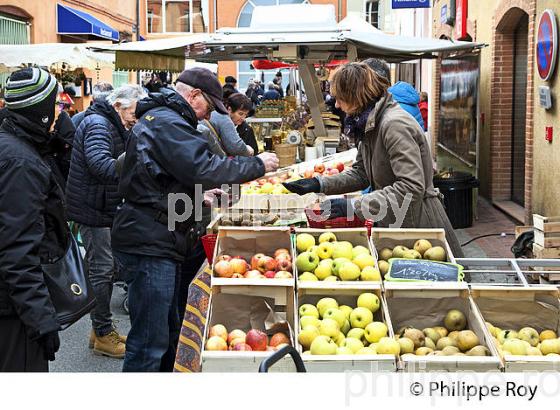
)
(167, 156)
(92, 196)
(100, 92)
(33, 226)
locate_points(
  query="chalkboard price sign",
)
(414, 270)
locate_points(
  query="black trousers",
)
(18, 353)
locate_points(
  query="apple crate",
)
(389, 238)
(513, 308)
(426, 305)
(356, 236)
(266, 307)
(246, 242)
(341, 363)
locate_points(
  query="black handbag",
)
(69, 287)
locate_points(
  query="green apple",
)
(343, 350)
(345, 327)
(366, 350)
(407, 345)
(309, 321)
(308, 310)
(369, 301)
(337, 263)
(375, 331)
(353, 344)
(314, 250)
(326, 303)
(388, 345)
(323, 271)
(328, 262)
(331, 278)
(307, 277)
(398, 251)
(369, 273)
(360, 317)
(307, 262)
(516, 347)
(307, 336)
(346, 310)
(342, 250)
(356, 333)
(325, 250)
(349, 271)
(304, 241)
(329, 327)
(360, 250)
(385, 254)
(323, 345)
(530, 335)
(364, 260)
(503, 335)
(327, 237)
(335, 314)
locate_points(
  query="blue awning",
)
(72, 21)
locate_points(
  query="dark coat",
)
(166, 154)
(92, 188)
(33, 229)
(247, 134)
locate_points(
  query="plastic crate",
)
(333, 223)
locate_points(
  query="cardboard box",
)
(426, 306)
(341, 363)
(265, 307)
(515, 308)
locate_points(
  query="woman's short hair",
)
(238, 101)
(126, 95)
(357, 85)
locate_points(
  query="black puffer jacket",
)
(33, 226)
(166, 154)
(92, 188)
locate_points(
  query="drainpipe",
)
(215, 15)
(339, 10)
(137, 34)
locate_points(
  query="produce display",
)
(525, 342)
(328, 328)
(237, 340)
(261, 266)
(324, 169)
(451, 339)
(258, 219)
(328, 259)
(422, 249)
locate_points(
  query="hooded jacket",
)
(167, 155)
(408, 98)
(33, 229)
(92, 187)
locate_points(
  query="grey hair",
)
(126, 95)
(101, 91)
(183, 89)
(270, 85)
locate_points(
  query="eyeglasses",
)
(211, 106)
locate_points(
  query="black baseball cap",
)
(206, 81)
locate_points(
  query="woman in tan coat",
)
(393, 158)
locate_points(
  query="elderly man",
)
(92, 199)
(167, 155)
(100, 91)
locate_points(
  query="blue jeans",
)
(154, 316)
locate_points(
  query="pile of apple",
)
(270, 185)
(322, 169)
(525, 342)
(237, 340)
(332, 329)
(333, 260)
(449, 340)
(422, 249)
(261, 266)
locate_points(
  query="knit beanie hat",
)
(31, 92)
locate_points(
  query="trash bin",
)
(456, 188)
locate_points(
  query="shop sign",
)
(461, 14)
(411, 4)
(547, 44)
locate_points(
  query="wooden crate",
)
(283, 298)
(426, 305)
(246, 242)
(341, 363)
(547, 231)
(515, 308)
(356, 236)
(390, 237)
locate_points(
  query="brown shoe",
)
(109, 345)
(91, 339)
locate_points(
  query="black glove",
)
(50, 343)
(303, 186)
(339, 207)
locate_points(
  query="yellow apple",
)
(366, 350)
(369, 273)
(363, 260)
(304, 241)
(349, 271)
(547, 334)
(325, 250)
(346, 310)
(307, 335)
(323, 345)
(550, 346)
(343, 350)
(327, 237)
(309, 321)
(342, 250)
(307, 277)
(407, 345)
(323, 271)
(375, 331)
(308, 310)
(369, 301)
(359, 250)
(388, 345)
(361, 317)
(353, 344)
(326, 303)
(335, 314)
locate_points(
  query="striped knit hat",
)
(32, 92)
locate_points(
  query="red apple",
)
(284, 264)
(320, 168)
(254, 274)
(255, 260)
(282, 274)
(235, 334)
(308, 173)
(269, 274)
(242, 347)
(281, 251)
(279, 338)
(223, 269)
(340, 166)
(239, 266)
(262, 181)
(220, 331)
(257, 340)
(223, 258)
(266, 263)
(334, 171)
(274, 180)
(236, 342)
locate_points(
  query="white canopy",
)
(51, 54)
